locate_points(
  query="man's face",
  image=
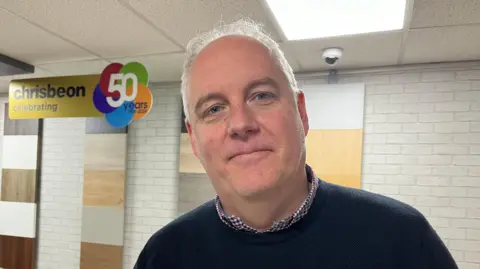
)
(245, 125)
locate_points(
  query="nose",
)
(242, 122)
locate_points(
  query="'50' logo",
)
(121, 88)
(122, 93)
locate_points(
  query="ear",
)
(193, 141)
(302, 110)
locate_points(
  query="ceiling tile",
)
(76, 68)
(160, 67)
(26, 42)
(104, 27)
(182, 19)
(358, 51)
(428, 13)
(455, 43)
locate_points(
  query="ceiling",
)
(69, 37)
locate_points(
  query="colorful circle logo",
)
(122, 93)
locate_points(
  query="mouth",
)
(252, 153)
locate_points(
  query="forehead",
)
(231, 63)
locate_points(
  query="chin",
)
(254, 185)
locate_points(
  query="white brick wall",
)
(61, 194)
(422, 146)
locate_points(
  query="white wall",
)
(422, 146)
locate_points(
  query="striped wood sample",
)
(17, 252)
(103, 195)
(21, 151)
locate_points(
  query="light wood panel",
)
(17, 252)
(189, 163)
(98, 256)
(18, 185)
(336, 155)
(105, 152)
(19, 127)
(104, 188)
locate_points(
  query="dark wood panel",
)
(101, 126)
(17, 252)
(19, 127)
(99, 256)
(18, 185)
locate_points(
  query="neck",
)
(279, 203)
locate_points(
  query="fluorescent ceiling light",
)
(307, 19)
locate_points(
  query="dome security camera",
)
(332, 55)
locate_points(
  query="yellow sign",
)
(54, 97)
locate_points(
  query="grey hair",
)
(242, 27)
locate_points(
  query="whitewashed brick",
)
(425, 210)
(466, 202)
(414, 190)
(468, 96)
(432, 201)
(374, 159)
(435, 159)
(473, 234)
(466, 160)
(449, 170)
(468, 75)
(435, 138)
(400, 180)
(467, 116)
(404, 98)
(384, 189)
(474, 192)
(417, 149)
(386, 149)
(374, 118)
(448, 212)
(472, 256)
(418, 108)
(452, 106)
(416, 170)
(436, 117)
(453, 86)
(473, 213)
(475, 149)
(439, 222)
(473, 181)
(375, 138)
(450, 149)
(475, 106)
(373, 179)
(417, 127)
(474, 171)
(475, 127)
(436, 97)
(395, 118)
(449, 233)
(385, 169)
(465, 223)
(452, 127)
(401, 159)
(388, 108)
(433, 181)
(402, 138)
(467, 265)
(437, 76)
(466, 245)
(377, 99)
(457, 255)
(423, 87)
(466, 138)
(382, 128)
(438, 191)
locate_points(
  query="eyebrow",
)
(250, 86)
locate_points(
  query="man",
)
(247, 122)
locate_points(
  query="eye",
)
(263, 96)
(212, 110)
